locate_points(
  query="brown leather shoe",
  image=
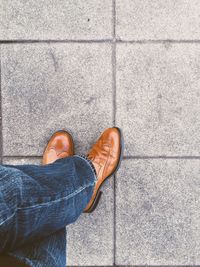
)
(106, 155)
(60, 145)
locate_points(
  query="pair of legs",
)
(37, 202)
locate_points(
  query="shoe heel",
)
(95, 202)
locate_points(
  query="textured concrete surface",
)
(55, 19)
(158, 98)
(87, 65)
(158, 19)
(157, 214)
(49, 87)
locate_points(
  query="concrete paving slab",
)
(158, 98)
(48, 87)
(157, 20)
(55, 19)
(157, 213)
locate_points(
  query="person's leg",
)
(51, 250)
(36, 201)
(47, 252)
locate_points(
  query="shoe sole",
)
(99, 192)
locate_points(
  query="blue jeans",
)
(37, 202)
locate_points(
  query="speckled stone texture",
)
(157, 19)
(87, 65)
(158, 98)
(49, 87)
(157, 214)
(55, 19)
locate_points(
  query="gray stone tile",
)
(48, 87)
(158, 98)
(157, 212)
(158, 20)
(90, 239)
(56, 19)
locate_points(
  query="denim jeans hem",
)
(90, 164)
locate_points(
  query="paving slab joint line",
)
(124, 158)
(114, 42)
(161, 157)
(157, 265)
(134, 265)
(21, 157)
(157, 41)
(55, 41)
(111, 40)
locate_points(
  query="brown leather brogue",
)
(60, 145)
(106, 155)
